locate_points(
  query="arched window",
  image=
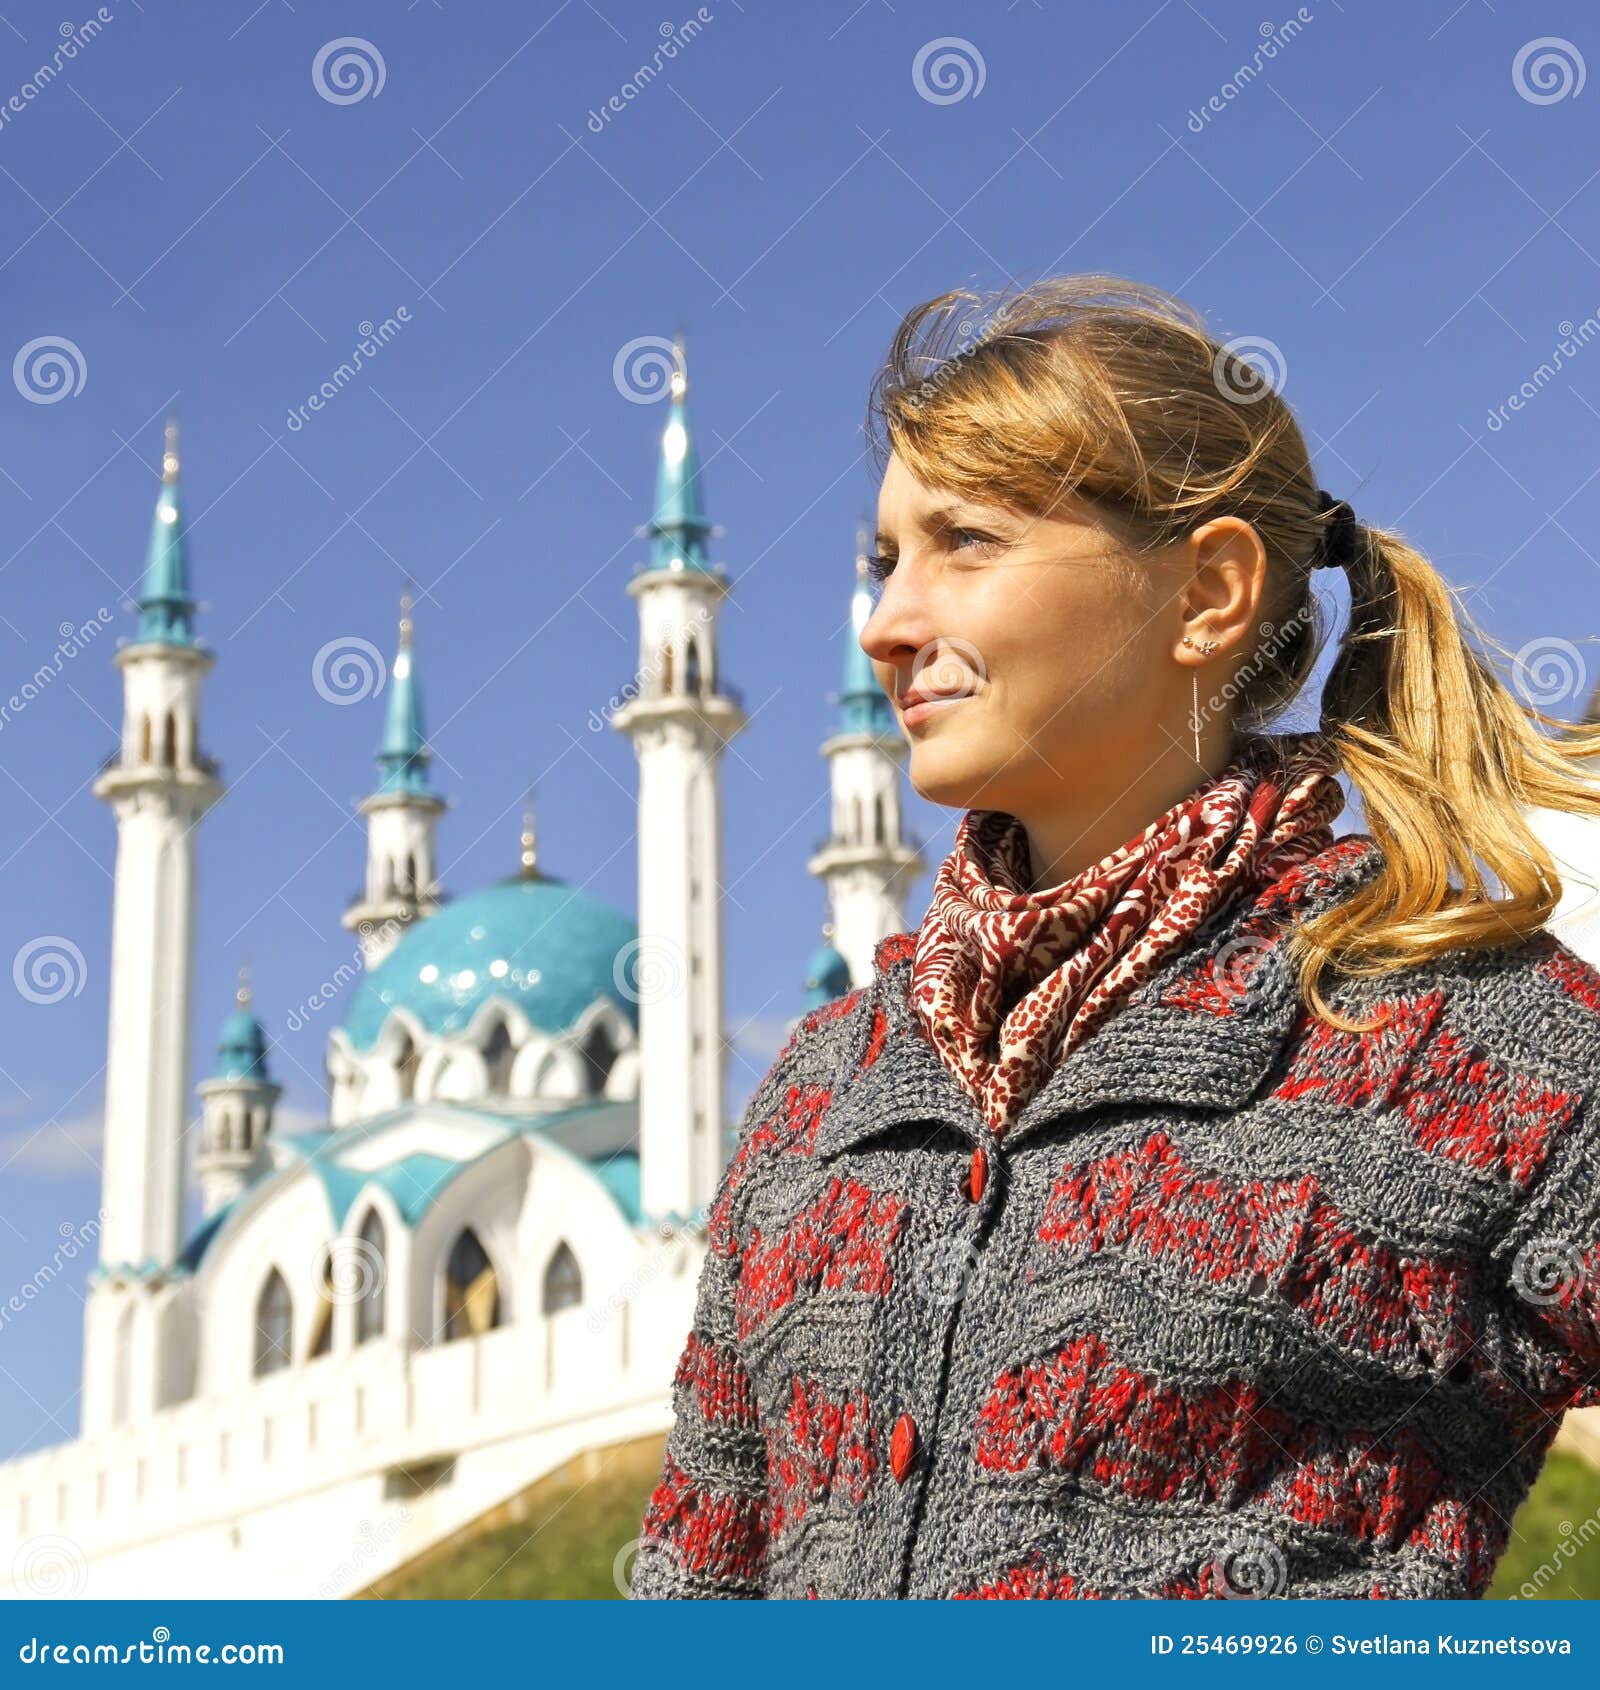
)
(691, 667)
(274, 1325)
(322, 1321)
(146, 741)
(666, 668)
(879, 829)
(411, 873)
(169, 742)
(407, 1061)
(498, 1054)
(858, 836)
(372, 1269)
(599, 1055)
(563, 1280)
(471, 1290)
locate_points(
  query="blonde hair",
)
(1114, 391)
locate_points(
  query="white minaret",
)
(679, 722)
(402, 818)
(159, 785)
(868, 862)
(236, 1105)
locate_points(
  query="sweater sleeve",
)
(1549, 1277)
(705, 1527)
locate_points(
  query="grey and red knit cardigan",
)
(1240, 1304)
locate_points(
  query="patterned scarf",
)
(1006, 982)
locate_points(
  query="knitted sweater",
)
(1239, 1304)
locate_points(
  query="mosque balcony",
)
(632, 703)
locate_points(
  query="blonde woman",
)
(1196, 1203)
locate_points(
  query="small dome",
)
(241, 1048)
(531, 941)
(827, 978)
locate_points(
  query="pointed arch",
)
(169, 742)
(407, 1060)
(274, 1348)
(471, 1289)
(411, 873)
(322, 1320)
(498, 1055)
(880, 826)
(563, 1280)
(372, 1267)
(667, 679)
(692, 682)
(147, 740)
(599, 1054)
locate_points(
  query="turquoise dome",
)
(534, 942)
(827, 978)
(241, 1048)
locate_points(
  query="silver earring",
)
(1205, 647)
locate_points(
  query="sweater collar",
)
(1203, 1032)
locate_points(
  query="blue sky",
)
(1407, 217)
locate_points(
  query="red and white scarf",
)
(1076, 951)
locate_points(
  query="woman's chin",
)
(953, 779)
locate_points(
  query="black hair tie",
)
(1339, 542)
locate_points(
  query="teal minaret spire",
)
(402, 818)
(166, 612)
(679, 529)
(403, 756)
(864, 706)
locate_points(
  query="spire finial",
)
(169, 456)
(243, 994)
(680, 359)
(530, 838)
(406, 623)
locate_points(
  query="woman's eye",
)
(968, 539)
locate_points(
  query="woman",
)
(1193, 1206)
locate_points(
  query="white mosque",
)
(486, 1262)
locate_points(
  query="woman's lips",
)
(915, 714)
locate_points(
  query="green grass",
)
(567, 1547)
(1555, 1563)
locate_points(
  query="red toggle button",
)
(902, 1446)
(977, 1175)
